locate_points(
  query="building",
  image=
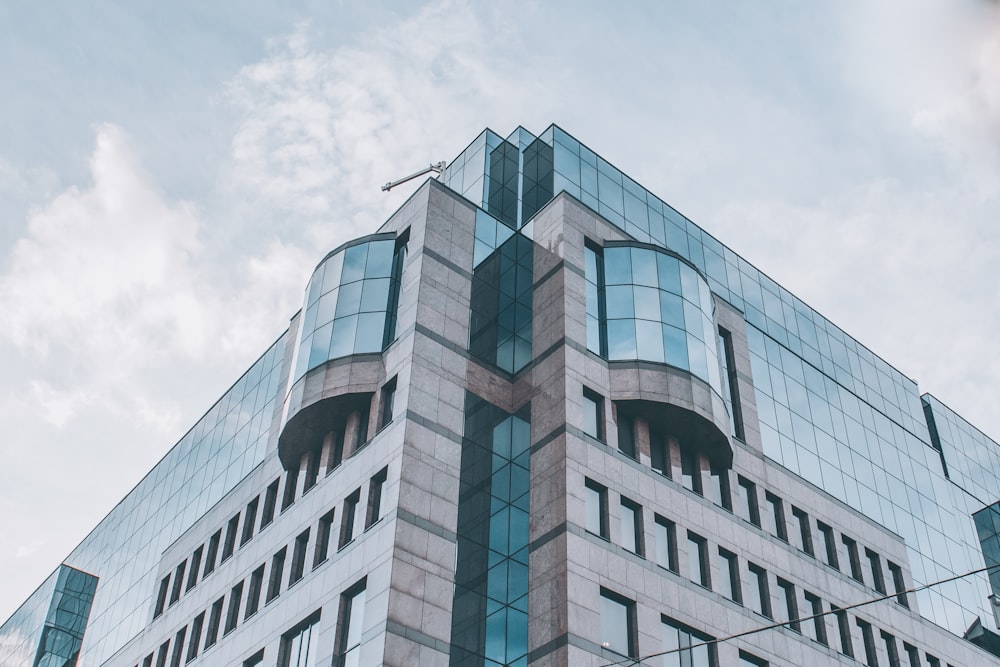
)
(542, 418)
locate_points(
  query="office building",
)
(539, 417)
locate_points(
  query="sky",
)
(170, 173)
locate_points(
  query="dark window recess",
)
(875, 563)
(161, 655)
(349, 519)
(720, 491)
(626, 436)
(233, 614)
(750, 660)
(666, 543)
(195, 567)
(803, 533)
(212, 553)
(853, 558)
(891, 649)
(659, 453)
(298, 647)
(731, 382)
(270, 500)
(593, 414)
(323, 538)
(844, 630)
(362, 434)
(291, 486)
(691, 470)
(776, 516)
(229, 546)
(148, 661)
(898, 583)
(274, 580)
(631, 523)
(596, 503)
(868, 638)
(249, 519)
(749, 508)
(255, 660)
(819, 622)
(618, 625)
(729, 569)
(178, 652)
(760, 590)
(335, 441)
(352, 612)
(253, 592)
(299, 557)
(912, 655)
(829, 545)
(687, 646)
(791, 605)
(376, 497)
(387, 401)
(698, 566)
(214, 618)
(312, 470)
(161, 596)
(196, 626)
(175, 591)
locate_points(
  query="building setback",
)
(542, 418)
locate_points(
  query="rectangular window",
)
(597, 508)
(791, 605)
(214, 618)
(760, 592)
(352, 613)
(932, 661)
(196, 626)
(803, 534)
(230, 544)
(274, 579)
(631, 520)
(829, 546)
(698, 567)
(253, 592)
(898, 583)
(161, 655)
(593, 414)
(684, 646)
(233, 615)
(195, 566)
(255, 660)
(690, 470)
(376, 497)
(299, 557)
(178, 652)
(891, 650)
(748, 660)
(659, 453)
(776, 516)
(852, 557)
(312, 469)
(148, 661)
(666, 543)
(626, 436)
(819, 621)
(618, 624)
(361, 437)
(249, 519)
(912, 655)
(291, 486)
(348, 529)
(875, 564)
(729, 569)
(749, 509)
(388, 400)
(175, 592)
(161, 596)
(298, 646)
(270, 500)
(323, 538)
(730, 383)
(336, 444)
(844, 630)
(868, 638)
(719, 491)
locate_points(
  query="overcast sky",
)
(171, 172)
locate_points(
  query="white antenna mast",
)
(437, 168)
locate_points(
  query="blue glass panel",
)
(644, 267)
(332, 268)
(355, 258)
(649, 340)
(349, 300)
(668, 270)
(323, 312)
(675, 347)
(619, 301)
(621, 339)
(369, 333)
(617, 266)
(672, 309)
(379, 264)
(319, 345)
(342, 340)
(647, 303)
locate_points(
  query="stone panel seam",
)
(418, 637)
(429, 526)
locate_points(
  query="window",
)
(912, 655)
(719, 487)
(352, 613)
(803, 535)
(297, 645)
(230, 544)
(253, 592)
(291, 482)
(250, 517)
(593, 414)
(891, 650)
(312, 470)
(631, 519)
(749, 510)
(255, 660)
(161, 655)
(299, 557)
(214, 618)
(748, 660)
(776, 516)
(659, 453)
(376, 497)
(270, 500)
(213, 551)
(932, 661)
(274, 580)
(361, 438)
(323, 538)
(819, 621)
(829, 546)
(178, 652)
(730, 383)
(686, 647)
(851, 554)
(760, 592)
(875, 563)
(335, 441)
(348, 529)
(388, 400)
(698, 567)
(175, 592)
(666, 543)
(233, 615)
(729, 570)
(195, 566)
(597, 508)
(868, 637)
(196, 626)
(618, 624)
(626, 436)
(898, 583)
(844, 630)
(791, 605)
(690, 470)
(148, 661)
(161, 596)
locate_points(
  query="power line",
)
(773, 626)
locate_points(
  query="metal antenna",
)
(437, 168)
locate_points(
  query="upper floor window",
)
(593, 414)
(618, 631)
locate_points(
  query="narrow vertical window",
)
(912, 655)
(196, 626)
(698, 567)
(178, 652)
(844, 630)
(891, 650)
(349, 629)
(175, 592)
(249, 519)
(270, 500)
(659, 453)
(626, 436)
(932, 661)
(299, 557)
(253, 592)
(349, 519)
(387, 401)
(759, 590)
(829, 545)
(213, 552)
(720, 493)
(875, 563)
(214, 618)
(362, 434)
(594, 272)
(312, 469)
(593, 414)
(803, 533)
(749, 509)
(161, 655)
(597, 508)
(229, 545)
(255, 660)
(776, 516)
(729, 569)
(195, 566)
(691, 470)
(631, 521)
(274, 580)
(749, 660)
(376, 497)
(323, 538)
(666, 543)
(233, 615)
(336, 438)
(868, 638)
(791, 605)
(819, 622)
(618, 624)
(148, 661)
(686, 646)
(298, 646)
(898, 583)
(161, 596)
(853, 558)
(730, 383)
(291, 484)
